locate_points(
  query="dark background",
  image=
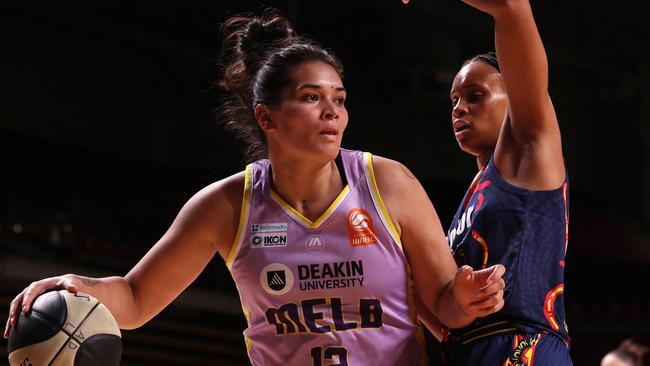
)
(107, 128)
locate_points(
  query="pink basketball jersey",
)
(335, 291)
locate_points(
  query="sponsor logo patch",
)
(269, 240)
(314, 244)
(360, 229)
(269, 228)
(269, 235)
(276, 279)
(330, 275)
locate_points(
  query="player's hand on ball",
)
(479, 293)
(23, 301)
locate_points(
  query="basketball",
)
(65, 328)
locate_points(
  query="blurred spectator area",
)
(66, 210)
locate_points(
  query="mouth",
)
(461, 125)
(329, 132)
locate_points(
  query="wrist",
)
(463, 312)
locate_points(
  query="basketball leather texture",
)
(65, 329)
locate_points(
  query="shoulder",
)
(215, 209)
(391, 175)
(227, 190)
(400, 190)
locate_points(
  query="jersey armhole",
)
(243, 218)
(377, 201)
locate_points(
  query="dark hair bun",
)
(270, 30)
(250, 37)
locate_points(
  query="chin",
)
(328, 153)
(472, 150)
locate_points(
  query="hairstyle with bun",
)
(257, 54)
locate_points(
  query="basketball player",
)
(515, 211)
(321, 241)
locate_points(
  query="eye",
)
(339, 100)
(474, 97)
(310, 97)
(454, 101)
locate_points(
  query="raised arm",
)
(454, 296)
(529, 151)
(204, 226)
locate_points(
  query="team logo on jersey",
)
(276, 279)
(314, 244)
(360, 229)
(523, 353)
(270, 235)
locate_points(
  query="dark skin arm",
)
(528, 153)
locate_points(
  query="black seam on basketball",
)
(71, 336)
(83, 321)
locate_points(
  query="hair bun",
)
(252, 36)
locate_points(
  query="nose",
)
(460, 109)
(330, 111)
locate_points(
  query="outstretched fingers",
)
(13, 313)
(23, 301)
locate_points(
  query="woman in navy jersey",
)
(322, 242)
(516, 210)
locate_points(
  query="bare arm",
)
(204, 226)
(529, 151)
(455, 297)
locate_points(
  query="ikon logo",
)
(314, 244)
(360, 228)
(269, 240)
(276, 279)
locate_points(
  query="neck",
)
(309, 187)
(482, 160)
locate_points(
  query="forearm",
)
(115, 293)
(449, 311)
(521, 53)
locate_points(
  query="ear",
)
(263, 117)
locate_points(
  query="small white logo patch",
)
(314, 244)
(269, 240)
(276, 279)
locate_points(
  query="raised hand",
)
(479, 293)
(23, 301)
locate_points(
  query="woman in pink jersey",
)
(322, 242)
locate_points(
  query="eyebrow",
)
(467, 86)
(316, 86)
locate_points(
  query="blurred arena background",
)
(107, 128)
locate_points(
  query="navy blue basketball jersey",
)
(527, 232)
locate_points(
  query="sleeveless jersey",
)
(335, 291)
(527, 232)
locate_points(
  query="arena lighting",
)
(17, 228)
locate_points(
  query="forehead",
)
(477, 73)
(314, 72)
